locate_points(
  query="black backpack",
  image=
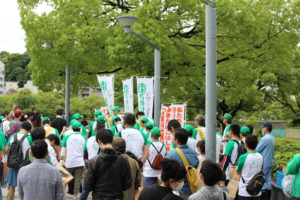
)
(255, 184)
(15, 156)
(241, 150)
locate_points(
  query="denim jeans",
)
(148, 181)
(84, 195)
(268, 174)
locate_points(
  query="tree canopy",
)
(16, 67)
(257, 46)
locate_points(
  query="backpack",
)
(241, 150)
(15, 155)
(255, 184)
(156, 162)
(192, 175)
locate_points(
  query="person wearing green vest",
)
(79, 118)
(99, 123)
(227, 120)
(293, 168)
(117, 126)
(96, 114)
(147, 131)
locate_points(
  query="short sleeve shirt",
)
(249, 165)
(75, 146)
(59, 123)
(134, 141)
(232, 151)
(148, 170)
(92, 147)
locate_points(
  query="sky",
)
(12, 35)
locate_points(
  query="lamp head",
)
(127, 22)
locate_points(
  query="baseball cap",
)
(227, 116)
(149, 125)
(116, 117)
(144, 119)
(75, 124)
(189, 128)
(100, 118)
(116, 108)
(1, 118)
(97, 112)
(245, 130)
(45, 119)
(155, 132)
(77, 116)
(18, 112)
(267, 125)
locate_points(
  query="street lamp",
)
(127, 22)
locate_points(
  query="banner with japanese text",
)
(168, 113)
(145, 92)
(107, 89)
(128, 95)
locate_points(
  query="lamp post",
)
(211, 78)
(127, 22)
(67, 94)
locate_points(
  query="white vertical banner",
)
(128, 95)
(107, 88)
(145, 91)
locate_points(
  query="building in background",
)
(85, 92)
(11, 87)
(2, 78)
(29, 85)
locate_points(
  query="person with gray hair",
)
(200, 127)
(119, 145)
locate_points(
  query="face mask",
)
(179, 187)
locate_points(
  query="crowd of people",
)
(123, 157)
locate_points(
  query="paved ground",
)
(4, 192)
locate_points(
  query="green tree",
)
(255, 40)
(16, 67)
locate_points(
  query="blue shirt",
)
(266, 147)
(192, 158)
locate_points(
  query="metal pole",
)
(67, 94)
(211, 74)
(157, 86)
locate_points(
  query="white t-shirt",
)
(92, 147)
(249, 165)
(5, 126)
(218, 143)
(69, 131)
(74, 144)
(134, 141)
(192, 143)
(232, 151)
(52, 153)
(148, 170)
